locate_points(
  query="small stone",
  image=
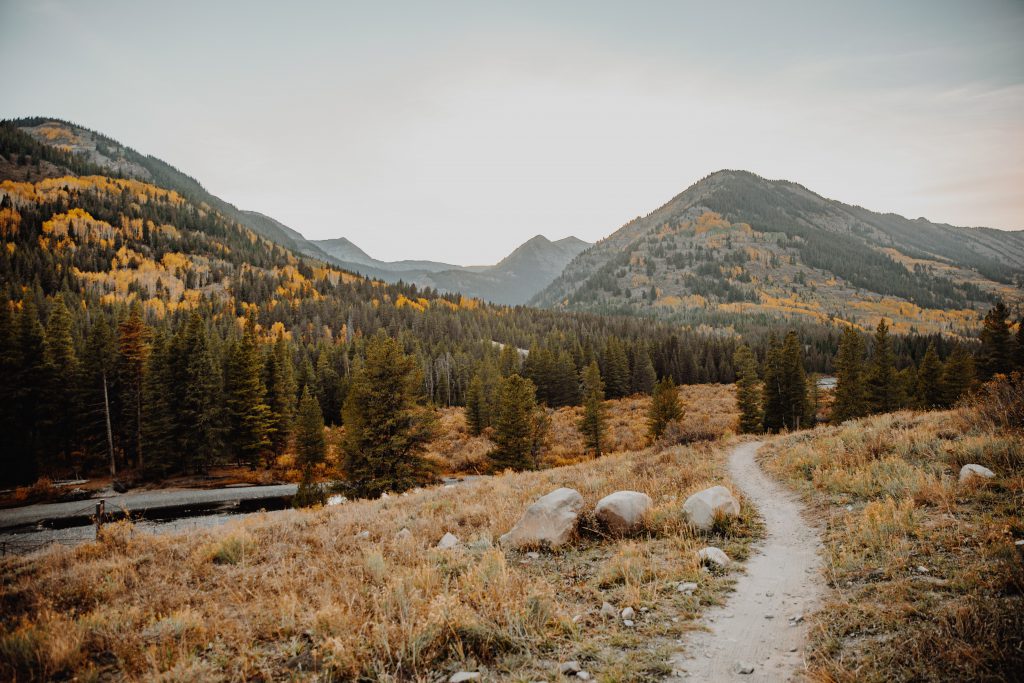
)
(448, 541)
(607, 610)
(769, 594)
(570, 668)
(463, 676)
(627, 622)
(744, 668)
(769, 616)
(972, 471)
(792, 649)
(628, 613)
(363, 534)
(686, 587)
(403, 534)
(922, 569)
(583, 675)
(533, 555)
(713, 555)
(796, 619)
(382, 497)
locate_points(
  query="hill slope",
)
(735, 245)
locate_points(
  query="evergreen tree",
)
(509, 362)
(386, 429)
(29, 383)
(929, 376)
(10, 456)
(774, 411)
(793, 383)
(851, 389)
(996, 352)
(60, 395)
(199, 415)
(615, 369)
(593, 423)
(159, 427)
(644, 377)
(481, 397)
(665, 408)
(279, 378)
(330, 389)
(97, 371)
(132, 351)
(957, 376)
(1020, 345)
(248, 415)
(513, 426)
(310, 448)
(748, 398)
(565, 382)
(883, 389)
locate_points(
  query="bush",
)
(998, 403)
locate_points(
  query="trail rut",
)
(761, 625)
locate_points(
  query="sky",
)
(455, 131)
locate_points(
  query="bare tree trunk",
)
(110, 431)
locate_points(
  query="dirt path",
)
(756, 627)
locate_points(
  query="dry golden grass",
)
(928, 585)
(709, 413)
(302, 595)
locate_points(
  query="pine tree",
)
(883, 389)
(98, 414)
(159, 429)
(330, 389)
(592, 424)
(958, 376)
(386, 429)
(9, 453)
(748, 398)
(615, 369)
(565, 381)
(481, 397)
(279, 378)
(513, 426)
(130, 365)
(644, 377)
(851, 390)
(996, 352)
(1020, 345)
(310, 448)
(665, 408)
(199, 414)
(60, 394)
(509, 362)
(929, 375)
(774, 411)
(29, 382)
(248, 415)
(793, 382)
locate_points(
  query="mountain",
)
(513, 280)
(735, 247)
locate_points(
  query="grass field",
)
(927, 581)
(301, 594)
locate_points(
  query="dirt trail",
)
(782, 581)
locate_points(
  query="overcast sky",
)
(457, 130)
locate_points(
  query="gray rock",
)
(686, 587)
(713, 555)
(448, 541)
(702, 508)
(972, 471)
(583, 675)
(744, 668)
(608, 611)
(550, 521)
(628, 623)
(628, 613)
(570, 668)
(403, 534)
(463, 676)
(623, 512)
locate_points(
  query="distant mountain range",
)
(514, 280)
(736, 245)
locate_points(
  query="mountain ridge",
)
(737, 243)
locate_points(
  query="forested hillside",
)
(738, 249)
(144, 328)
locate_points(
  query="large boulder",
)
(623, 512)
(550, 521)
(972, 471)
(703, 507)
